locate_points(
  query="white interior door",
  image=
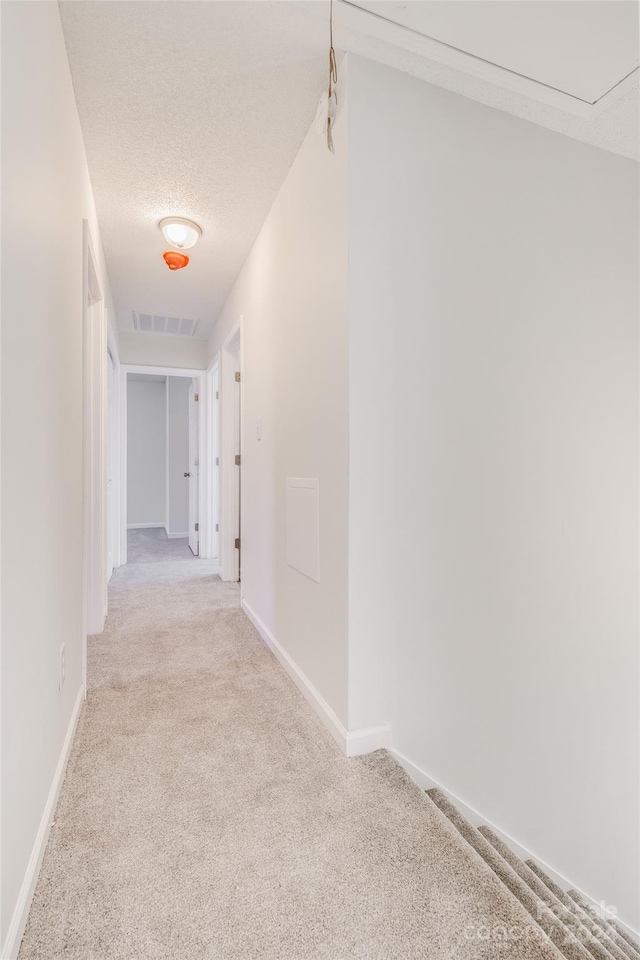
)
(111, 459)
(215, 445)
(237, 493)
(194, 467)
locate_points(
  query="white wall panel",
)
(493, 356)
(46, 194)
(146, 453)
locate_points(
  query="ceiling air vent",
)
(170, 326)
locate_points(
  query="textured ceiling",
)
(189, 109)
(197, 109)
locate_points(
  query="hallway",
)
(206, 813)
(348, 291)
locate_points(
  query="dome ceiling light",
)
(180, 233)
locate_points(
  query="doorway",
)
(165, 439)
(94, 449)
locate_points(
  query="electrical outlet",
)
(63, 666)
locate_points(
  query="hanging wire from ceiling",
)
(332, 97)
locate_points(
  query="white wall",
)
(178, 455)
(291, 295)
(46, 193)
(493, 475)
(158, 350)
(146, 452)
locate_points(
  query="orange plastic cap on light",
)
(175, 260)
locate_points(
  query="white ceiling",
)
(191, 109)
(583, 49)
(197, 109)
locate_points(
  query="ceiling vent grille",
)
(169, 326)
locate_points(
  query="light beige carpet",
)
(151, 544)
(207, 815)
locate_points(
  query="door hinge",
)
(237, 459)
(197, 527)
(217, 527)
(217, 461)
(196, 397)
(217, 395)
(237, 376)
(237, 544)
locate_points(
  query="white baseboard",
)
(177, 536)
(368, 739)
(426, 782)
(11, 945)
(146, 526)
(353, 743)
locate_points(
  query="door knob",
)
(187, 474)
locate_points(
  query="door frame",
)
(113, 431)
(229, 359)
(94, 435)
(212, 379)
(206, 452)
(112, 393)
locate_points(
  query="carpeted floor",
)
(207, 815)
(152, 545)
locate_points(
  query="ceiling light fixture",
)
(180, 233)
